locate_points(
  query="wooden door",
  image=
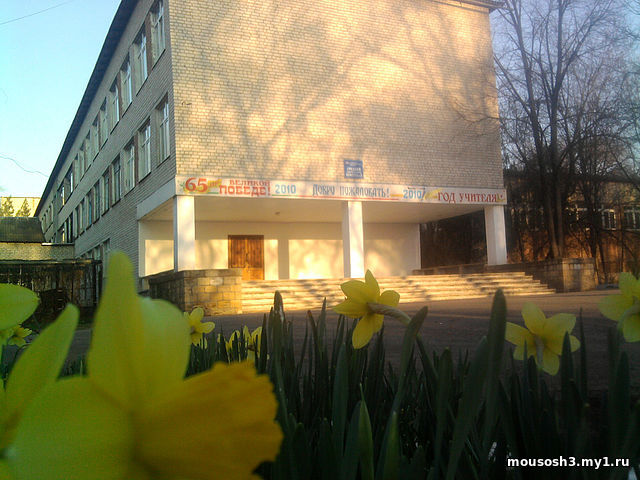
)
(247, 252)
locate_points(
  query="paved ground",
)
(459, 325)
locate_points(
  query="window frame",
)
(158, 32)
(117, 179)
(164, 139)
(144, 151)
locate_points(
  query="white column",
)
(352, 240)
(496, 235)
(184, 233)
(142, 249)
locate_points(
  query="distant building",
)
(290, 138)
(11, 206)
(21, 238)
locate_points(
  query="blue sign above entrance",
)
(353, 168)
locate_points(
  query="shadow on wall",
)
(288, 89)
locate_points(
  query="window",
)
(103, 129)
(79, 218)
(68, 230)
(163, 124)
(114, 106)
(88, 153)
(67, 185)
(117, 186)
(140, 47)
(97, 201)
(129, 167)
(608, 217)
(144, 155)
(632, 218)
(157, 30)
(89, 208)
(105, 186)
(61, 196)
(95, 141)
(125, 80)
(81, 165)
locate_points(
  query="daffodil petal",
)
(631, 328)
(256, 336)
(372, 284)
(197, 315)
(574, 342)
(351, 308)
(70, 431)
(196, 337)
(219, 424)
(628, 284)
(165, 347)
(16, 304)
(208, 327)
(560, 323)
(39, 365)
(550, 362)
(517, 334)
(390, 298)
(614, 306)
(116, 355)
(357, 291)
(533, 317)
(366, 327)
(555, 343)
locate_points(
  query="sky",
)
(46, 60)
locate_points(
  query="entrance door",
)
(247, 252)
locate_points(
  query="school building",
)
(291, 138)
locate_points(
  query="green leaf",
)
(442, 402)
(349, 467)
(468, 406)
(619, 401)
(390, 456)
(365, 442)
(39, 365)
(16, 304)
(340, 398)
(495, 338)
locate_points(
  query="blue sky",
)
(45, 63)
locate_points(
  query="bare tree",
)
(551, 56)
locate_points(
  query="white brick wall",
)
(289, 88)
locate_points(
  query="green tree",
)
(6, 209)
(24, 210)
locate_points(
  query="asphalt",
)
(459, 325)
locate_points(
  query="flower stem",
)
(382, 309)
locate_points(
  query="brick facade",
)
(217, 292)
(35, 251)
(289, 89)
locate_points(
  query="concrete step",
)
(302, 294)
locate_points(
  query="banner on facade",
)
(231, 187)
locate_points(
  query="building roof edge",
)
(118, 24)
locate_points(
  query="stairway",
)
(308, 294)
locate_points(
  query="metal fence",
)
(57, 282)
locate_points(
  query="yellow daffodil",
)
(16, 304)
(198, 327)
(135, 416)
(543, 336)
(360, 297)
(625, 308)
(38, 366)
(18, 336)
(252, 341)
